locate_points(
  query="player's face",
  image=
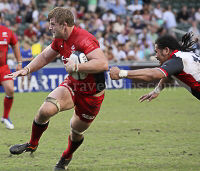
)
(161, 54)
(57, 30)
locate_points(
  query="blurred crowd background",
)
(125, 29)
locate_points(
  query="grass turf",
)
(163, 135)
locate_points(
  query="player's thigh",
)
(49, 108)
(8, 87)
(64, 97)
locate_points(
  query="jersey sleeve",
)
(54, 45)
(88, 45)
(172, 67)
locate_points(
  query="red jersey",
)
(80, 40)
(6, 37)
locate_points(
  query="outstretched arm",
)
(145, 75)
(45, 57)
(148, 74)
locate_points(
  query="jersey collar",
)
(170, 57)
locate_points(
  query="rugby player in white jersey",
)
(177, 62)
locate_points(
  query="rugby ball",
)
(78, 58)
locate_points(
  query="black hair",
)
(186, 44)
(166, 7)
(110, 10)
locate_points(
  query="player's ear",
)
(64, 26)
(166, 50)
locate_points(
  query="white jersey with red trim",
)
(184, 67)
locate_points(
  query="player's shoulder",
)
(79, 30)
(5, 29)
(82, 33)
(183, 55)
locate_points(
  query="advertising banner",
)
(47, 79)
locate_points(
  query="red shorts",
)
(4, 70)
(87, 107)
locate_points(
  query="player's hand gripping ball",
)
(78, 58)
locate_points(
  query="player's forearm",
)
(17, 52)
(162, 83)
(37, 63)
(45, 57)
(93, 66)
(144, 74)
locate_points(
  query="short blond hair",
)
(62, 15)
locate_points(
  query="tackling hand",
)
(114, 73)
(150, 96)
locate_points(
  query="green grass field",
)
(163, 135)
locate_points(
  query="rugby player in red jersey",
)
(177, 61)
(7, 38)
(85, 96)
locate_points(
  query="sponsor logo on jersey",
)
(87, 116)
(73, 49)
(64, 60)
(4, 34)
(3, 42)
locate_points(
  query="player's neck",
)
(69, 31)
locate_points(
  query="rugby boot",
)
(21, 148)
(8, 123)
(62, 164)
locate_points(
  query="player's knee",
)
(50, 108)
(10, 91)
(43, 112)
(46, 111)
(10, 94)
(75, 137)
